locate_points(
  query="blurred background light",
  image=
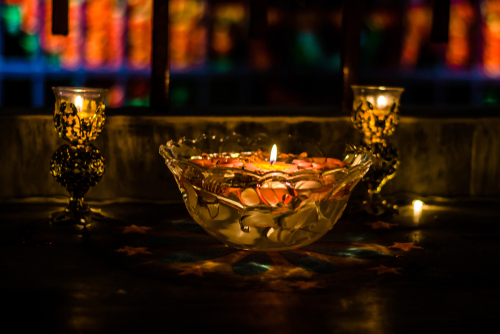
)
(214, 63)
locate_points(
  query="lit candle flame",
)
(417, 205)
(382, 101)
(79, 103)
(417, 210)
(274, 155)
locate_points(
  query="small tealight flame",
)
(274, 155)
(79, 103)
(417, 210)
(382, 101)
(417, 205)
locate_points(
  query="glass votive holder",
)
(79, 113)
(375, 111)
(382, 100)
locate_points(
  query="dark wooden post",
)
(160, 60)
(349, 49)
(258, 19)
(60, 14)
(440, 21)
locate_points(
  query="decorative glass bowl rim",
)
(361, 158)
(380, 88)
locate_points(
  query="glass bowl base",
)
(268, 231)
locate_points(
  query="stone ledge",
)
(439, 157)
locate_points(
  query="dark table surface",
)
(65, 279)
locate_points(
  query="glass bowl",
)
(262, 210)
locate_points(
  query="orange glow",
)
(418, 21)
(115, 48)
(52, 44)
(104, 37)
(381, 20)
(96, 33)
(260, 56)
(29, 10)
(68, 47)
(71, 56)
(226, 16)
(188, 36)
(139, 33)
(462, 18)
(274, 16)
(491, 36)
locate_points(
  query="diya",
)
(253, 200)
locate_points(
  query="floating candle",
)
(272, 165)
(252, 161)
(274, 155)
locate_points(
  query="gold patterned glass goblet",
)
(376, 114)
(79, 118)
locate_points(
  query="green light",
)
(12, 18)
(29, 43)
(223, 65)
(490, 98)
(490, 101)
(179, 96)
(334, 62)
(308, 49)
(52, 59)
(138, 102)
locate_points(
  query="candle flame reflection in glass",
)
(274, 155)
